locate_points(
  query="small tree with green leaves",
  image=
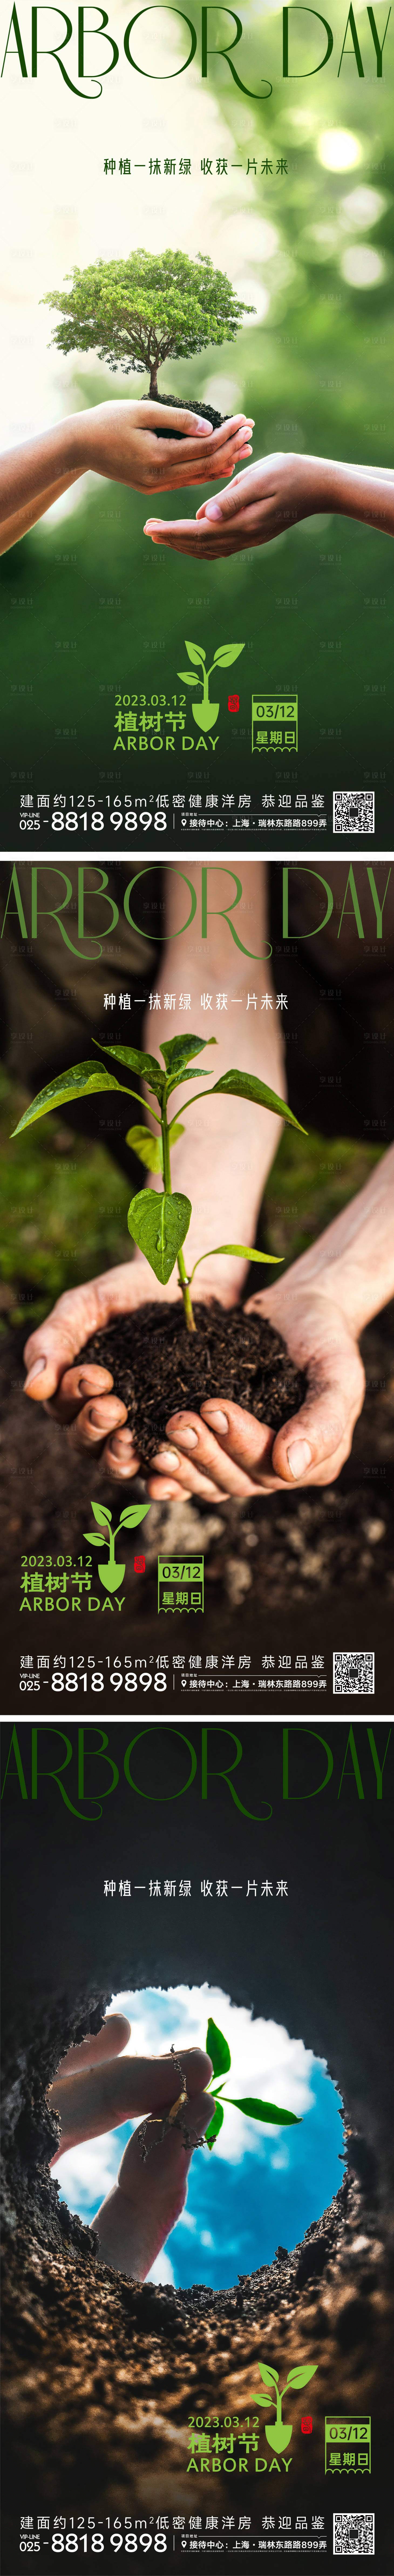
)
(159, 1220)
(138, 311)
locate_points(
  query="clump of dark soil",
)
(179, 402)
(158, 1367)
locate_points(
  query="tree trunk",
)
(153, 383)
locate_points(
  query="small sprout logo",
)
(278, 2434)
(249, 2103)
(205, 710)
(112, 1575)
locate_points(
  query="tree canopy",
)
(138, 311)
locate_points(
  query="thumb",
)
(320, 1435)
(53, 1347)
(165, 416)
(236, 496)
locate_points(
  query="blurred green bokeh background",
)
(89, 606)
(64, 1205)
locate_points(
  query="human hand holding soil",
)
(320, 1307)
(270, 496)
(96, 2087)
(120, 441)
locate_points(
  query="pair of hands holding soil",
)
(120, 441)
(94, 2090)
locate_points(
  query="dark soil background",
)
(231, 1351)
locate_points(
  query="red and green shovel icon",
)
(278, 2434)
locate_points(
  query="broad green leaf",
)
(147, 1148)
(299, 2378)
(265, 2373)
(218, 2049)
(255, 2110)
(244, 1249)
(190, 676)
(134, 1512)
(214, 2126)
(73, 1085)
(147, 1066)
(95, 1539)
(257, 2398)
(227, 653)
(158, 1222)
(248, 1087)
(195, 652)
(175, 1130)
(101, 1515)
(177, 1051)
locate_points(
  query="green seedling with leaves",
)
(206, 710)
(159, 1220)
(278, 2434)
(111, 1574)
(218, 2049)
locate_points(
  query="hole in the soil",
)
(262, 2185)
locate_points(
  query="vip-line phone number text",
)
(78, 1680)
(86, 811)
(73, 2543)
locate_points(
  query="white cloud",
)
(162, 2269)
(87, 2172)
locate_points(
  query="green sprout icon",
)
(218, 2050)
(204, 710)
(111, 1574)
(278, 2434)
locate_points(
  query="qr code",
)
(354, 2535)
(353, 810)
(353, 1673)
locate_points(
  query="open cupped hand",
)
(224, 1450)
(120, 439)
(265, 499)
(239, 1455)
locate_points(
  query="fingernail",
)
(203, 427)
(213, 510)
(126, 1438)
(217, 1421)
(35, 1371)
(166, 1494)
(167, 1458)
(85, 1384)
(95, 1417)
(189, 1437)
(299, 1457)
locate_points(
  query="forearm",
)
(223, 1158)
(47, 463)
(354, 491)
(17, 526)
(354, 1258)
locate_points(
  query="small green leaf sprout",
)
(159, 1220)
(249, 2103)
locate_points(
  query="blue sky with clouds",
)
(261, 2186)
